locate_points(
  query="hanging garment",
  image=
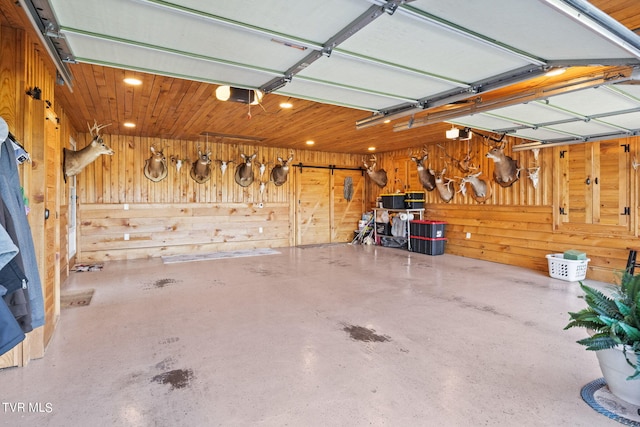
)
(12, 198)
(10, 332)
(12, 277)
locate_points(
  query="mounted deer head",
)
(201, 168)
(506, 170)
(75, 161)
(280, 172)
(379, 177)
(533, 174)
(426, 177)
(444, 188)
(480, 186)
(465, 165)
(155, 167)
(244, 171)
(224, 164)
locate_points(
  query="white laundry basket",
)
(567, 269)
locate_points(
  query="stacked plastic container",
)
(427, 236)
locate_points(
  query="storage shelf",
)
(420, 212)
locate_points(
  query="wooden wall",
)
(519, 225)
(178, 215)
(38, 126)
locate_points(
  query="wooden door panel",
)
(346, 213)
(313, 200)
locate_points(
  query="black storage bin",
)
(434, 229)
(414, 195)
(434, 246)
(418, 228)
(413, 204)
(383, 228)
(393, 201)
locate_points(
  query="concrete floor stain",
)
(161, 283)
(177, 378)
(360, 333)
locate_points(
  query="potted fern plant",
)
(613, 324)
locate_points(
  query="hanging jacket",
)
(10, 332)
(12, 277)
(12, 198)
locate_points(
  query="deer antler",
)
(96, 128)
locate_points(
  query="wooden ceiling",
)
(173, 108)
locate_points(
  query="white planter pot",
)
(615, 370)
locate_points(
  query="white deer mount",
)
(533, 175)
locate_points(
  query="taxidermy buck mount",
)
(244, 171)
(506, 170)
(378, 176)
(155, 167)
(426, 177)
(201, 168)
(75, 161)
(280, 172)
(481, 187)
(444, 186)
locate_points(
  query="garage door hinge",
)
(627, 211)
(562, 211)
(626, 147)
(562, 153)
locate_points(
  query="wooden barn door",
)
(313, 225)
(346, 213)
(323, 214)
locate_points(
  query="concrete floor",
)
(335, 335)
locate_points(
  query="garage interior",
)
(552, 83)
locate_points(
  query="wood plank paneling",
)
(169, 229)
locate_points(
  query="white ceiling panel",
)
(531, 113)
(135, 58)
(629, 121)
(300, 88)
(162, 30)
(312, 20)
(404, 85)
(484, 121)
(391, 57)
(531, 26)
(594, 101)
(583, 129)
(540, 134)
(403, 40)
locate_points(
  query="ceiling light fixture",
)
(459, 134)
(132, 81)
(555, 71)
(310, 142)
(129, 125)
(235, 94)
(371, 148)
(286, 104)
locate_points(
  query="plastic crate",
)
(567, 269)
